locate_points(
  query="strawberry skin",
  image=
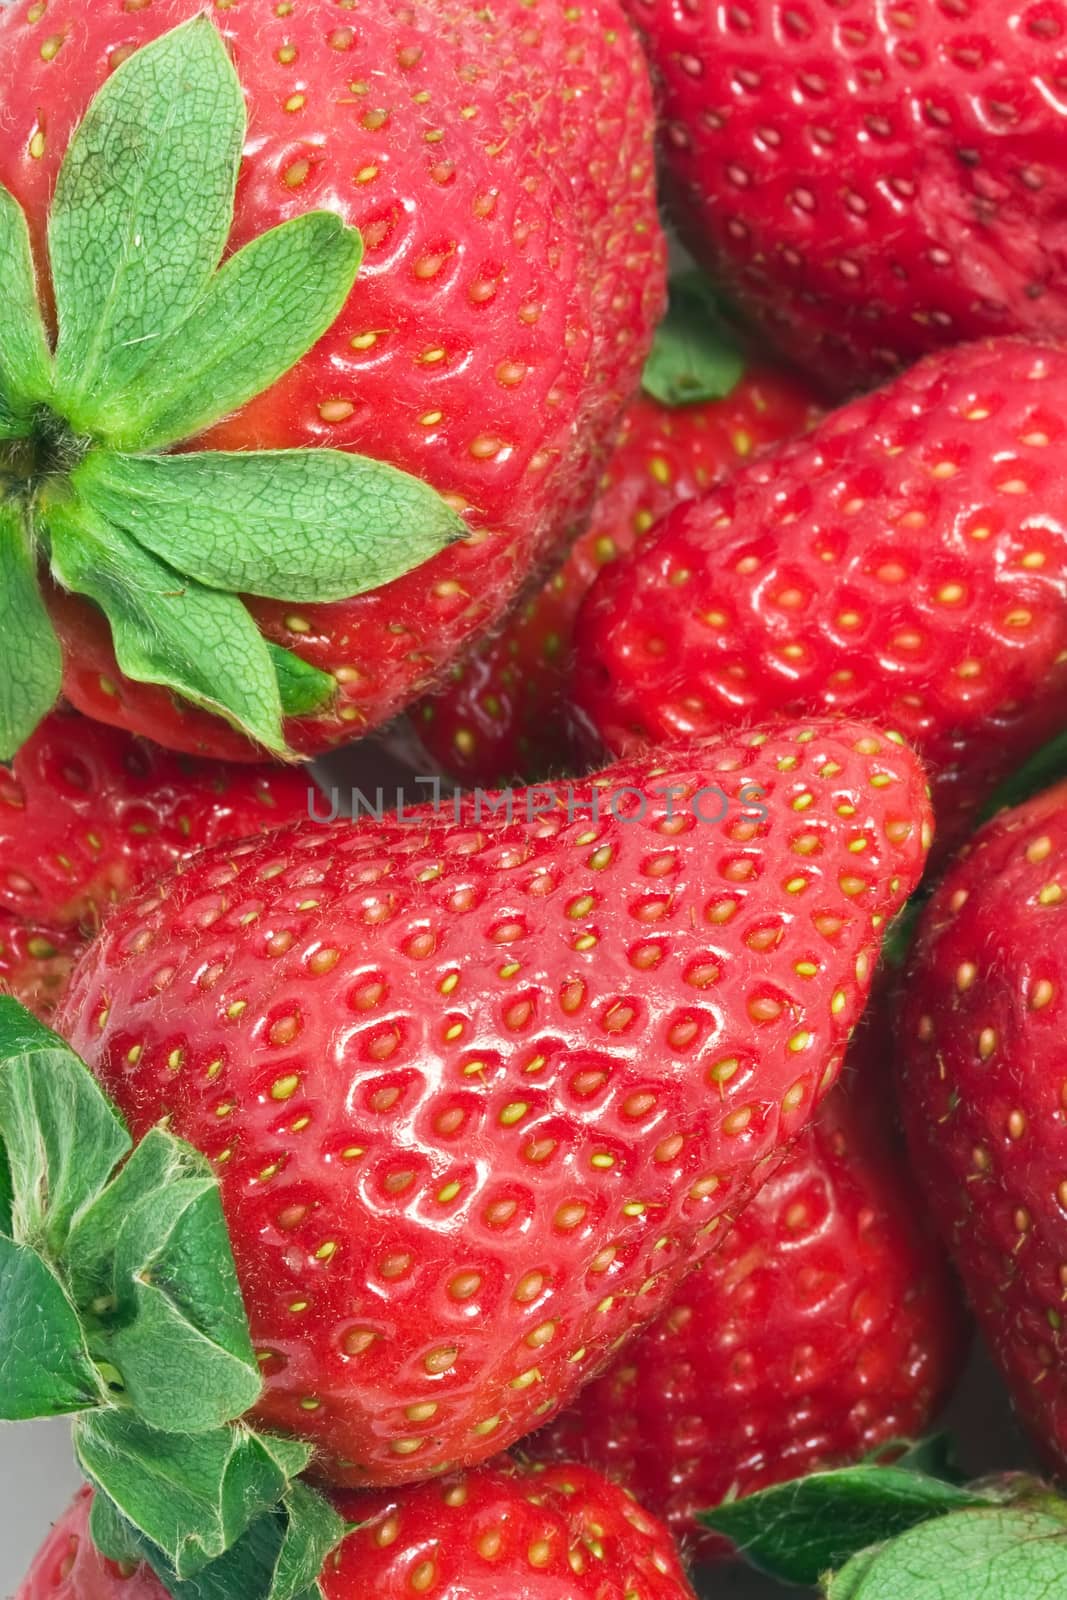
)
(872, 185)
(504, 713)
(89, 814)
(824, 1326)
(478, 1091)
(981, 1034)
(905, 562)
(499, 167)
(544, 1533)
(36, 962)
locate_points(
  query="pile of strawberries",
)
(539, 1183)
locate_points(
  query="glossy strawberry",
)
(89, 814)
(504, 713)
(498, 167)
(983, 1092)
(823, 1327)
(544, 1534)
(905, 562)
(36, 962)
(478, 1090)
(869, 183)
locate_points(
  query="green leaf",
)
(1044, 768)
(7, 1192)
(45, 1369)
(795, 1531)
(265, 309)
(142, 211)
(278, 1558)
(935, 1457)
(244, 1571)
(25, 359)
(693, 358)
(62, 1136)
(313, 1529)
(158, 1160)
(31, 667)
(299, 525)
(990, 1554)
(844, 1584)
(167, 629)
(180, 1338)
(114, 1537)
(193, 1496)
(303, 688)
(900, 935)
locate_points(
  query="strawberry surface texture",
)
(983, 1093)
(504, 714)
(558, 1534)
(478, 1093)
(824, 1326)
(905, 562)
(869, 182)
(89, 814)
(499, 169)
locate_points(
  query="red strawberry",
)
(89, 814)
(505, 710)
(824, 1326)
(561, 1533)
(904, 562)
(869, 185)
(478, 1091)
(983, 1093)
(498, 166)
(36, 962)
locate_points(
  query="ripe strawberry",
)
(498, 166)
(478, 1091)
(904, 562)
(36, 962)
(824, 1326)
(983, 1092)
(87, 816)
(504, 712)
(542, 1533)
(872, 185)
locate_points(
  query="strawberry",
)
(88, 815)
(542, 1533)
(478, 1090)
(873, 185)
(904, 562)
(454, 212)
(983, 1093)
(36, 961)
(825, 1326)
(504, 712)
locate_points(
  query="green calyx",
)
(157, 341)
(119, 1304)
(909, 1530)
(694, 357)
